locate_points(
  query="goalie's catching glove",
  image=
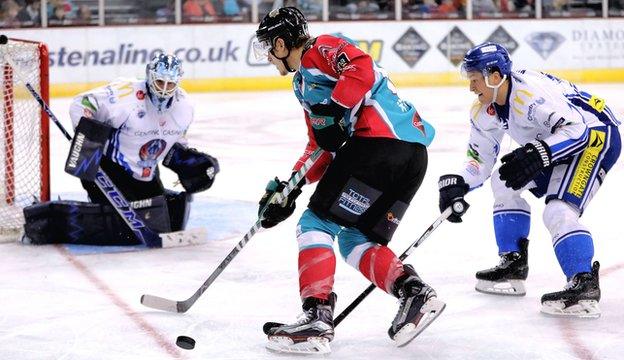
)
(195, 169)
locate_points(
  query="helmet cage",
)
(162, 71)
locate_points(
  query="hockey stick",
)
(108, 188)
(160, 303)
(458, 207)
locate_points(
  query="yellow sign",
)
(587, 163)
(372, 48)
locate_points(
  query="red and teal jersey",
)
(334, 68)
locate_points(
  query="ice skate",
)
(507, 278)
(311, 334)
(419, 307)
(579, 298)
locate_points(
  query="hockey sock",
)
(510, 226)
(317, 266)
(574, 251)
(381, 266)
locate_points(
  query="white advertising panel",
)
(82, 55)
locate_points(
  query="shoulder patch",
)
(342, 60)
(336, 58)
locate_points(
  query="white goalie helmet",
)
(163, 74)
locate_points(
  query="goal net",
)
(24, 142)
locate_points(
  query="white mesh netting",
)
(22, 152)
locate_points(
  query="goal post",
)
(24, 134)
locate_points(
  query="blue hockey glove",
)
(523, 164)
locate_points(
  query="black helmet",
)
(287, 23)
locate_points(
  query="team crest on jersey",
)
(150, 151)
(490, 110)
(417, 123)
(140, 94)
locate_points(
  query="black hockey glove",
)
(195, 169)
(275, 213)
(523, 164)
(452, 189)
(328, 125)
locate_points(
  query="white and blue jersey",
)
(143, 135)
(579, 128)
(582, 134)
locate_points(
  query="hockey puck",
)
(3, 39)
(185, 342)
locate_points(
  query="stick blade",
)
(158, 303)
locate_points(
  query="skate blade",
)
(506, 288)
(313, 345)
(430, 311)
(587, 309)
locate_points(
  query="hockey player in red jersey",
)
(374, 162)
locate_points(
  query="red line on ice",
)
(160, 339)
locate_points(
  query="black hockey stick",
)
(108, 188)
(157, 302)
(458, 207)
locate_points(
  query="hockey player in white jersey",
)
(126, 128)
(570, 141)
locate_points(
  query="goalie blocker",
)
(85, 223)
(87, 148)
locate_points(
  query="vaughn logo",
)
(455, 45)
(75, 151)
(501, 36)
(411, 47)
(544, 43)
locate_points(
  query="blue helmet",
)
(161, 71)
(487, 57)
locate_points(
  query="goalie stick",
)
(160, 303)
(458, 207)
(108, 188)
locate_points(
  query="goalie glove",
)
(275, 213)
(523, 164)
(195, 169)
(87, 148)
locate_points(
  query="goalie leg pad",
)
(75, 222)
(179, 206)
(87, 148)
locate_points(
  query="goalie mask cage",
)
(24, 137)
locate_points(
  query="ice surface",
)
(60, 305)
